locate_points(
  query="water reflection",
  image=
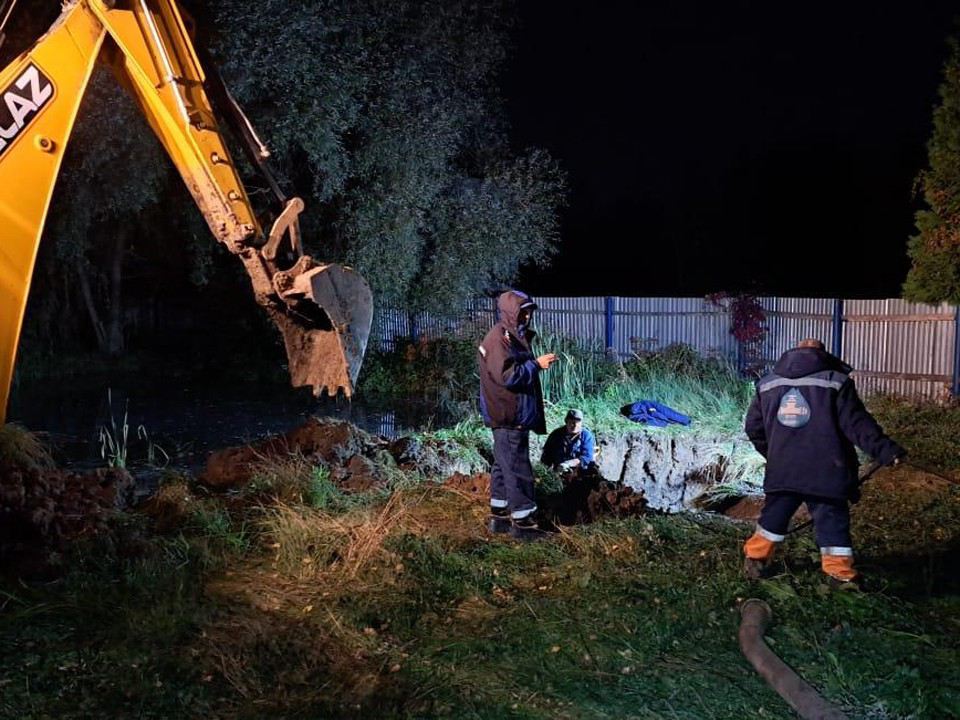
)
(188, 421)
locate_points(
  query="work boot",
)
(839, 572)
(759, 550)
(834, 583)
(527, 528)
(499, 521)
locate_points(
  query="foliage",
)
(298, 480)
(21, 448)
(441, 368)
(400, 140)
(581, 369)
(156, 455)
(935, 250)
(114, 439)
(386, 118)
(928, 432)
(748, 324)
(406, 608)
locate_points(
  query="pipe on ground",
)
(808, 703)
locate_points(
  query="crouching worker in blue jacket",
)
(805, 419)
(511, 402)
(571, 447)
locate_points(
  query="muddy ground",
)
(359, 462)
(44, 507)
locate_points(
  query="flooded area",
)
(179, 425)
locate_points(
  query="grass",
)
(709, 391)
(20, 447)
(294, 598)
(403, 607)
(114, 443)
(712, 394)
(928, 431)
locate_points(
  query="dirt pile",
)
(357, 461)
(474, 486)
(747, 509)
(435, 458)
(590, 498)
(583, 500)
(44, 508)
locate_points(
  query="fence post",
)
(838, 327)
(956, 352)
(414, 330)
(608, 323)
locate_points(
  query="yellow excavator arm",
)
(324, 312)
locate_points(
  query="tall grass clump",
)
(581, 370)
(20, 447)
(709, 391)
(294, 479)
(114, 442)
(308, 542)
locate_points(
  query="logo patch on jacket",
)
(794, 409)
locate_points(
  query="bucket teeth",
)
(326, 326)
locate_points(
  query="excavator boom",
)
(323, 311)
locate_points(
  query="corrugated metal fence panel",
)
(581, 318)
(899, 347)
(790, 320)
(643, 324)
(388, 324)
(391, 325)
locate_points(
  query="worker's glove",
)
(567, 466)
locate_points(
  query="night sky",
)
(763, 147)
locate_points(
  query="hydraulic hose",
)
(808, 703)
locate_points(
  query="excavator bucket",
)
(326, 327)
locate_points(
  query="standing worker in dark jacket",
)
(511, 402)
(805, 419)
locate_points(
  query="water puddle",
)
(178, 425)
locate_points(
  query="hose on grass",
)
(808, 703)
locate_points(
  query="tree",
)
(387, 117)
(105, 194)
(935, 250)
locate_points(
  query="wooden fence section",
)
(895, 347)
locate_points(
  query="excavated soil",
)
(747, 509)
(357, 463)
(357, 460)
(587, 499)
(583, 500)
(674, 473)
(351, 454)
(42, 509)
(475, 486)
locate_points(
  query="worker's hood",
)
(801, 362)
(509, 305)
